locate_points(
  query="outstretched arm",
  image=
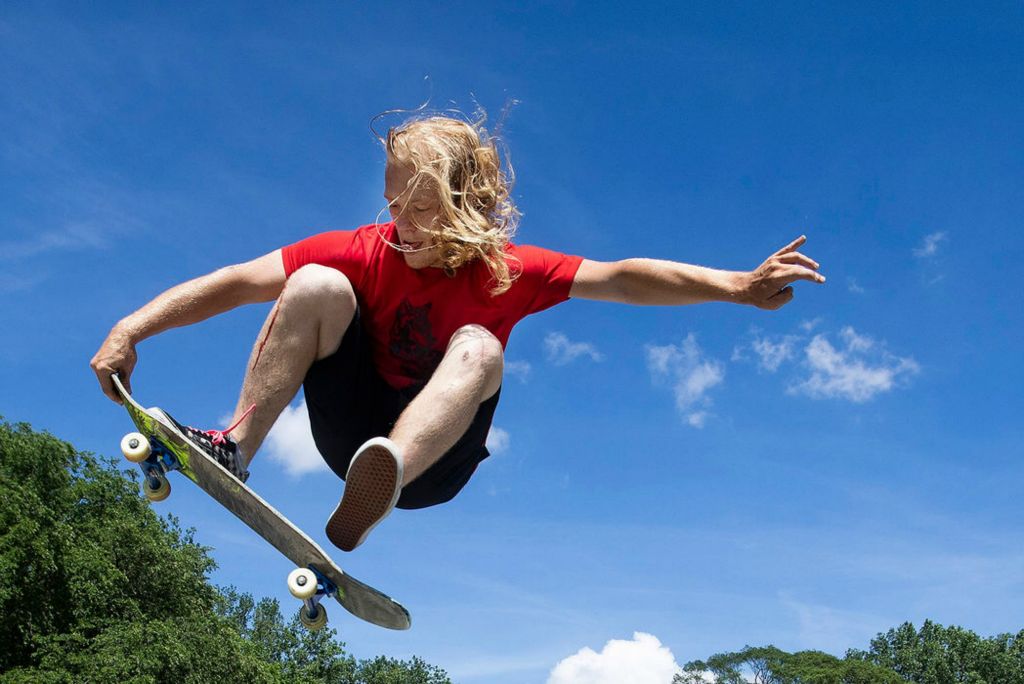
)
(259, 280)
(652, 281)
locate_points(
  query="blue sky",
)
(710, 476)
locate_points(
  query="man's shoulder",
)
(527, 250)
(537, 255)
(338, 234)
(362, 238)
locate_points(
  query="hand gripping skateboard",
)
(159, 448)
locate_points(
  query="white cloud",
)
(854, 287)
(773, 354)
(697, 419)
(930, 245)
(690, 374)
(498, 440)
(738, 353)
(808, 326)
(854, 341)
(560, 351)
(851, 372)
(643, 660)
(290, 443)
(518, 369)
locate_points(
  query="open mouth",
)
(409, 246)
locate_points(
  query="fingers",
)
(798, 272)
(106, 383)
(791, 246)
(798, 258)
(781, 269)
(800, 265)
(105, 369)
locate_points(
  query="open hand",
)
(116, 355)
(768, 285)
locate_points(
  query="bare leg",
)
(307, 324)
(469, 374)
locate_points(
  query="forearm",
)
(188, 303)
(658, 282)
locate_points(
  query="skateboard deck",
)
(160, 447)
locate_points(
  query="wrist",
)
(127, 330)
(737, 288)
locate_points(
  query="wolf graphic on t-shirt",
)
(412, 341)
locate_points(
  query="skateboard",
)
(159, 447)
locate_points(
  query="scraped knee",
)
(478, 349)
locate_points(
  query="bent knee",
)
(477, 346)
(317, 283)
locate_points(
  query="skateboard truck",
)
(311, 587)
(154, 460)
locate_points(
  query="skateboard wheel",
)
(135, 447)
(302, 583)
(157, 488)
(317, 621)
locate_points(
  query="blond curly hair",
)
(477, 217)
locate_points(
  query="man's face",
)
(415, 213)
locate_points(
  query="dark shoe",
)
(215, 443)
(372, 487)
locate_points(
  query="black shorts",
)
(349, 403)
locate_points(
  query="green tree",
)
(932, 655)
(95, 587)
(947, 655)
(303, 656)
(770, 665)
(307, 656)
(383, 670)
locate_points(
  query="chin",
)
(420, 260)
(412, 261)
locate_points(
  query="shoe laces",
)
(220, 437)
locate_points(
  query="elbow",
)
(631, 280)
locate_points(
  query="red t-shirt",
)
(411, 314)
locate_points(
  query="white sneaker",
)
(373, 484)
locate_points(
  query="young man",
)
(396, 331)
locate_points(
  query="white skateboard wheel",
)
(316, 622)
(135, 447)
(302, 583)
(158, 493)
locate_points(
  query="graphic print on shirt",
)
(412, 341)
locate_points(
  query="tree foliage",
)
(770, 665)
(947, 655)
(95, 587)
(932, 655)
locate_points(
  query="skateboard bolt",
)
(301, 581)
(133, 443)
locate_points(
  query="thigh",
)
(446, 478)
(344, 396)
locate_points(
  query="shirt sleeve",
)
(545, 278)
(340, 249)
